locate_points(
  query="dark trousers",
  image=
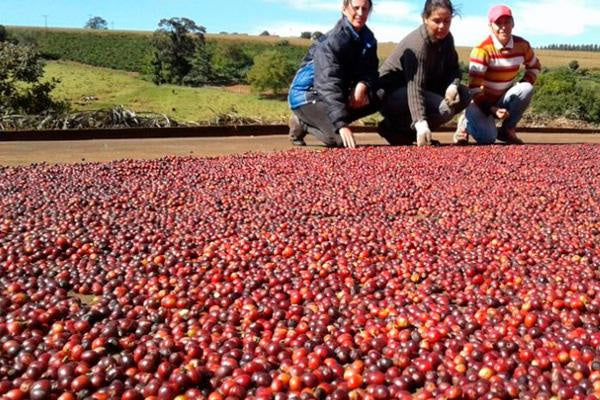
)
(397, 124)
(315, 120)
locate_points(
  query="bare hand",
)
(347, 137)
(500, 113)
(359, 97)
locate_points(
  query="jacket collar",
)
(348, 25)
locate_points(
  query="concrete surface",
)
(25, 153)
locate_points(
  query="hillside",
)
(131, 50)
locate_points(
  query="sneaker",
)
(296, 132)
(509, 136)
(461, 136)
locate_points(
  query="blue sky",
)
(556, 21)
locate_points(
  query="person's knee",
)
(525, 90)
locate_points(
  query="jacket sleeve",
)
(532, 66)
(371, 73)
(330, 82)
(454, 73)
(413, 61)
(478, 66)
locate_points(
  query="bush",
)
(272, 70)
(566, 92)
(21, 91)
(230, 62)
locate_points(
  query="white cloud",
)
(294, 28)
(556, 17)
(310, 5)
(469, 31)
(395, 10)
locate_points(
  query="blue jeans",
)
(483, 127)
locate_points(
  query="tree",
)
(272, 70)
(96, 23)
(201, 71)
(264, 33)
(305, 35)
(2, 33)
(175, 44)
(21, 91)
(230, 62)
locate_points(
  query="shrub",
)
(272, 70)
(230, 62)
(568, 93)
(21, 91)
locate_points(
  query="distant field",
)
(92, 88)
(138, 44)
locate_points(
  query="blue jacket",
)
(332, 67)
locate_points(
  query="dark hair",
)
(347, 3)
(432, 5)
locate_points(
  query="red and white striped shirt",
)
(493, 67)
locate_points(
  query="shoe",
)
(509, 136)
(461, 136)
(296, 132)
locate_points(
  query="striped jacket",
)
(492, 69)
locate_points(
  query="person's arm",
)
(367, 86)
(478, 65)
(413, 61)
(532, 66)
(329, 82)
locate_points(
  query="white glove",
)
(423, 133)
(452, 97)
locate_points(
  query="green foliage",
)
(272, 70)
(201, 71)
(117, 50)
(175, 43)
(21, 91)
(568, 93)
(230, 62)
(305, 35)
(133, 51)
(2, 33)
(96, 23)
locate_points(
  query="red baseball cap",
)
(499, 11)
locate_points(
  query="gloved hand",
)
(423, 133)
(452, 97)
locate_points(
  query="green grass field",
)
(92, 88)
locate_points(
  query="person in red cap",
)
(494, 65)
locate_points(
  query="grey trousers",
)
(316, 121)
(397, 124)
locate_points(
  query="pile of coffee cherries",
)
(376, 273)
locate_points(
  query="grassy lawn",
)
(92, 88)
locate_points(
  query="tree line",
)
(572, 47)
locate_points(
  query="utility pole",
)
(45, 22)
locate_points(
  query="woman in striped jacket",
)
(494, 65)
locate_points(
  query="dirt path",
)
(24, 153)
